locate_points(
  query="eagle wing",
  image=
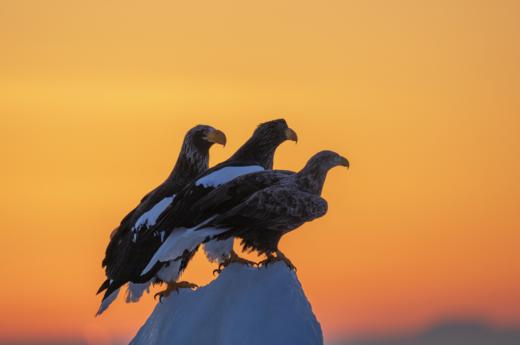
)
(188, 225)
(262, 219)
(123, 250)
(123, 228)
(198, 198)
(235, 192)
(274, 205)
(279, 208)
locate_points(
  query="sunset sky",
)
(423, 97)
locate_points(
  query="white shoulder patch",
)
(226, 174)
(179, 240)
(150, 217)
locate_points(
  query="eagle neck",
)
(311, 179)
(259, 151)
(191, 163)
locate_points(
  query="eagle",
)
(258, 208)
(256, 154)
(123, 248)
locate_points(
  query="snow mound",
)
(244, 305)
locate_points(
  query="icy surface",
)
(226, 174)
(244, 305)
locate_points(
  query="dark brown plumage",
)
(258, 208)
(126, 240)
(265, 215)
(255, 155)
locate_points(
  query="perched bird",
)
(259, 208)
(126, 240)
(257, 154)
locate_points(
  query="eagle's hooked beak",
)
(216, 136)
(291, 135)
(344, 162)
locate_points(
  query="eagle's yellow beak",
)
(216, 136)
(291, 135)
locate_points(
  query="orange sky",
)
(422, 96)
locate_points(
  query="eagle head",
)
(275, 131)
(202, 137)
(327, 160)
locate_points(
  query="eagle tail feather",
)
(103, 286)
(109, 297)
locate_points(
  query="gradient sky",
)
(422, 96)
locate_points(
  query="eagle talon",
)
(221, 266)
(270, 259)
(233, 258)
(161, 295)
(174, 286)
(239, 260)
(279, 257)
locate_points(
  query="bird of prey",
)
(259, 208)
(256, 154)
(126, 239)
